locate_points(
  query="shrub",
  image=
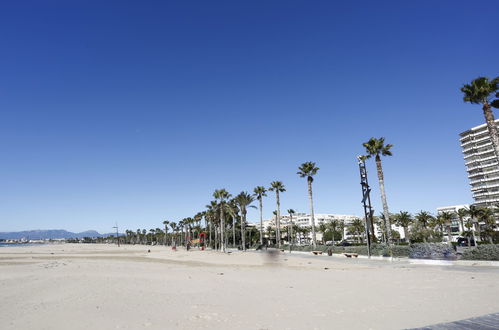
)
(432, 251)
(482, 252)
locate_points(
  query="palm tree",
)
(333, 227)
(308, 170)
(461, 214)
(291, 212)
(357, 227)
(475, 213)
(446, 218)
(259, 193)
(166, 222)
(489, 226)
(480, 91)
(244, 200)
(376, 147)
(423, 218)
(404, 220)
(222, 195)
(173, 226)
(233, 214)
(278, 187)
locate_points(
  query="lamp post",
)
(117, 235)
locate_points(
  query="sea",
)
(18, 244)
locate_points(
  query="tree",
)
(173, 226)
(222, 196)
(244, 200)
(308, 170)
(475, 213)
(481, 91)
(404, 220)
(446, 218)
(423, 219)
(461, 214)
(278, 187)
(291, 212)
(166, 223)
(333, 227)
(487, 216)
(377, 148)
(260, 192)
(356, 228)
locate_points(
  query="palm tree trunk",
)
(386, 218)
(491, 127)
(290, 232)
(261, 219)
(406, 234)
(312, 211)
(209, 234)
(222, 229)
(233, 230)
(243, 237)
(449, 233)
(278, 220)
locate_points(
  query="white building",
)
(305, 220)
(481, 165)
(456, 227)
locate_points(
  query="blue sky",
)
(135, 112)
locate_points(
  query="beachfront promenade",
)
(108, 287)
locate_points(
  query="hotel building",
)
(481, 165)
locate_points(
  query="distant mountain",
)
(51, 234)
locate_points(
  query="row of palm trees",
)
(424, 225)
(224, 208)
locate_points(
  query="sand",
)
(78, 286)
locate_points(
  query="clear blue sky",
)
(136, 112)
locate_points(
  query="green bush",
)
(482, 252)
(432, 251)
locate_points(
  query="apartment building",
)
(481, 165)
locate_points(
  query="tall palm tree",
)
(233, 214)
(377, 148)
(278, 187)
(461, 214)
(404, 220)
(173, 226)
(211, 216)
(222, 196)
(244, 201)
(166, 223)
(447, 220)
(475, 214)
(308, 170)
(481, 91)
(259, 193)
(291, 212)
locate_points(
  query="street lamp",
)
(117, 235)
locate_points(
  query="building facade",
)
(305, 220)
(456, 226)
(481, 165)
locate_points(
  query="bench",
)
(349, 255)
(316, 252)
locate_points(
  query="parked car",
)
(344, 243)
(463, 241)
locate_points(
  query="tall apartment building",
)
(481, 165)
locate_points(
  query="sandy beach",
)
(108, 287)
